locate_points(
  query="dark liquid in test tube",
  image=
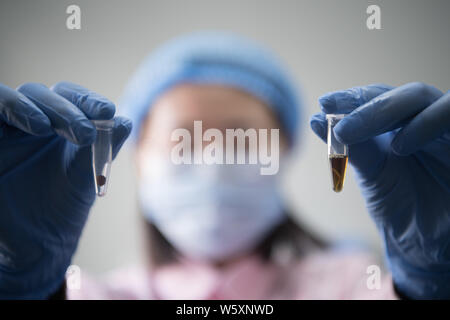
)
(101, 180)
(338, 165)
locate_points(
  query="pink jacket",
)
(324, 275)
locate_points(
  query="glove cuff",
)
(39, 280)
(415, 283)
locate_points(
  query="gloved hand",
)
(399, 147)
(46, 181)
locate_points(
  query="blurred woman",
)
(221, 231)
(217, 225)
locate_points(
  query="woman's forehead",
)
(217, 106)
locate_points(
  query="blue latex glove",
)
(46, 181)
(400, 150)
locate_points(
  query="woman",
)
(227, 228)
(215, 231)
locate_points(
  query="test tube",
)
(337, 153)
(102, 155)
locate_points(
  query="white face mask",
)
(210, 212)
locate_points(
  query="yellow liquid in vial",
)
(338, 165)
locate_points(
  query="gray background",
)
(325, 44)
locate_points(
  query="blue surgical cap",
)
(212, 58)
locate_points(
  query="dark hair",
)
(288, 238)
